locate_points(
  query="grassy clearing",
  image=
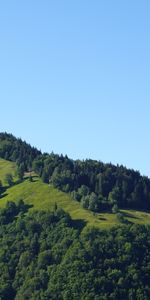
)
(6, 167)
(43, 197)
(136, 216)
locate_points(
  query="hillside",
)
(53, 246)
(42, 196)
(46, 256)
(97, 186)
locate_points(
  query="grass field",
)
(43, 197)
(6, 167)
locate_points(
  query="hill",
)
(64, 232)
(42, 196)
(97, 186)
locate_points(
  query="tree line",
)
(96, 185)
(18, 151)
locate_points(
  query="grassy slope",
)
(6, 167)
(43, 197)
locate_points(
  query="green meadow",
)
(42, 196)
(6, 167)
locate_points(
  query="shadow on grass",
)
(102, 218)
(31, 179)
(3, 195)
(129, 215)
(6, 187)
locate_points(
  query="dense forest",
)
(96, 185)
(46, 255)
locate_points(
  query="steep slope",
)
(42, 196)
(45, 256)
(96, 185)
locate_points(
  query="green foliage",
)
(20, 171)
(120, 217)
(9, 179)
(7, 214)
(1, 187)
(17, 151)
(111, 184)
(47, 255)
(42, 196)
(115, 208)
(114, 196)
(93, 202)
(44, 255)
(1, 184)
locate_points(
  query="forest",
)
(46, 255)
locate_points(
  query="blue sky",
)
(75, 77)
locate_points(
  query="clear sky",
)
(75, 77)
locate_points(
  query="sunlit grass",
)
(6, 167)
(136, 216)
(43, 197)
